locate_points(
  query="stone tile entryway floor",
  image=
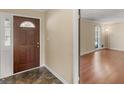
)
(36, 76)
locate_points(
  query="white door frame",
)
(76, 46)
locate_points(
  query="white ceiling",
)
(103, 15)
(40, 10)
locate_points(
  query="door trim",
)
(75, 46)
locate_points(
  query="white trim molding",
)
(88, 52)
(75, 47)
(56, 74)
(116, 49)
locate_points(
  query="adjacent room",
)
(36, 46)
(101, 46)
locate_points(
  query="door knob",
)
(38, 43)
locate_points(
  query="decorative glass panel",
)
(27, 24)
(7, 29)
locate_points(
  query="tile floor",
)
(36, 76)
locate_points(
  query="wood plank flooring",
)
(103, 66)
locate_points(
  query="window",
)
(27, 24)
(7, 31)
(97, 36)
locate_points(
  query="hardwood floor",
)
(103, 66)
(36, 76)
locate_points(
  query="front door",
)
(26, 43)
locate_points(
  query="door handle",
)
(38, 43)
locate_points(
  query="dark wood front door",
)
(26, 43)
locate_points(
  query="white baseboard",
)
(84, 53)
(116, 49)
(57, 75)
(81, 54)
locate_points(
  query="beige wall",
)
(87, 36)
(116, 36)
(105, 35)
(59, 54)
